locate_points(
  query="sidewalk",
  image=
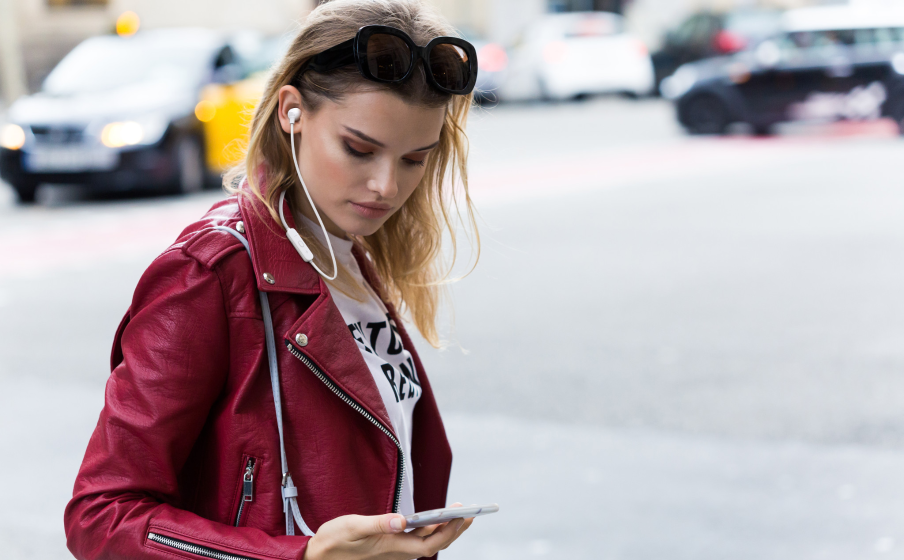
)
(565, 491)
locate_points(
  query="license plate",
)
(71, 159)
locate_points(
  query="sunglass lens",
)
(388, 57)
(449, 66)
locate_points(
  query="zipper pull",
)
(248, 482)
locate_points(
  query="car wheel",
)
(764, 130)
(706, 114)
(212, 180)
(190, 166)
(543, 90)
(26, 191)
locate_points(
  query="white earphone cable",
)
(282, 217)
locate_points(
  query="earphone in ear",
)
(294, 114)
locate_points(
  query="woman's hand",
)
(381, 537)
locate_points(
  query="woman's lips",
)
(371, 210)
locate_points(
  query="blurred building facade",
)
(36, 34)
(48, 29)
(502, 20)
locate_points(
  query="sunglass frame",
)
(354, 51)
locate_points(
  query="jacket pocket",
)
(245, 491)
(190, 549)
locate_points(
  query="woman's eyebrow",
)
(425, 148)
(377, 143)
(365, 137)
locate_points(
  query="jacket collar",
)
(328, 342)
(272, 254)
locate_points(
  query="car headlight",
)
(768, 54)
(12, 137)
(897, 62)
(144, 131)
(678, 83)
(119, 134)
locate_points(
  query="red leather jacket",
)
(189, 412)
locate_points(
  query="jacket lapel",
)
(327, 340)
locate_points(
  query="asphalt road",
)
(676, 348)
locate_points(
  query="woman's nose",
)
(385, 183)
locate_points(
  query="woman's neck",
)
(301, 206)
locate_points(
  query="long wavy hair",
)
(407, 250)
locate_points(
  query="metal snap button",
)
(301, 339)
(269, 278)
(241, 227)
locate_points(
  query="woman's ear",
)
(289, 98)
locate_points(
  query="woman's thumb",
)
(385, 524)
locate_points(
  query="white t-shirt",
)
(378, 340)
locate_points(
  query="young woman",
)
(262, 382)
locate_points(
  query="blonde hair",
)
(406, 251)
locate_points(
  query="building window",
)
(76, 3)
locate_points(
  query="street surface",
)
(672, 348)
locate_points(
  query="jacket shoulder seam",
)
(228, 245)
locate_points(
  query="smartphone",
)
(435, 516)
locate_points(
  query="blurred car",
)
(492, 61)
(226, 109)
(117, 114)
(828, 63)
(708, 34)
(567, 55)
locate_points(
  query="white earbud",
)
(293, 235)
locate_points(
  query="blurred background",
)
(685, 337)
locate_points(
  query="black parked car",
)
(829, 63)
(118, 113)
(709, 34)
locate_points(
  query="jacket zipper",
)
(351, 402)
(194, 549)
(247, 489)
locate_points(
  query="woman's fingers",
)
(359, 527)
(444, 536)
(462, 529)
(424, 531)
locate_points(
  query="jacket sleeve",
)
(175, 360)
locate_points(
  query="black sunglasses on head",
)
(388, 55)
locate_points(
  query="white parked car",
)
(562, 56)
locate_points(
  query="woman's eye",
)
(353, 152)
(415, 162)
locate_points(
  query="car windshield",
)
(105, 63)
(269, 51)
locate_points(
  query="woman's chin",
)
(361, 226)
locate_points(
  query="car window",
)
(798, 48)
(825, 39)
(268, 53)
(870, 39)
(106, 63)
(687, 31)
(829, 40)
